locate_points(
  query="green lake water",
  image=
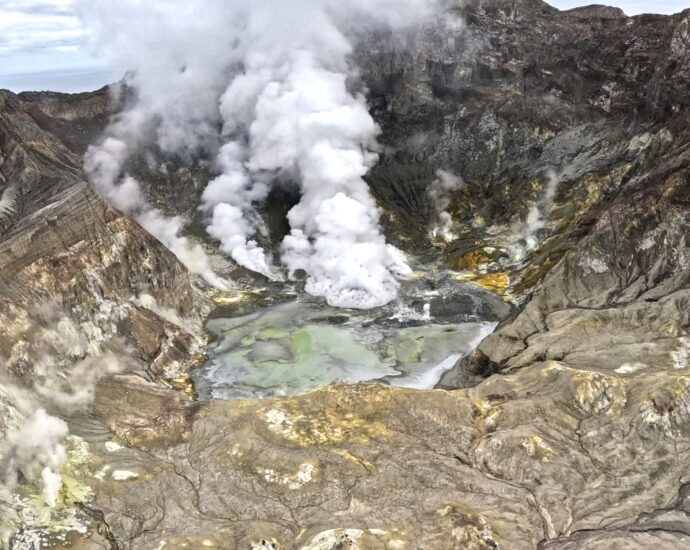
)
(300, 345)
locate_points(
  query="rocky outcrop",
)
(75, 268)
(551, 456)
(503, 93)
(84, 290)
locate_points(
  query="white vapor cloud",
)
(104, 164)
(38, 452)
(266, 86)
(528, 235)
(33, 447)
(43, 46)
(439, 192)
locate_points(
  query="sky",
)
(43, 45)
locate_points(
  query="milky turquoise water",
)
(293, 347)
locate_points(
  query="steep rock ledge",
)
(84, 290)
(66, 256)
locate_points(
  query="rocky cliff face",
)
(568, 428)
(82, 287)
(66, 256)
(504, 93)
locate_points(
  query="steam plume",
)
(535, 222)
(37, 447)
(104, 164)
(266, 85)
(33, 448)
(32, 441)
(439, 193)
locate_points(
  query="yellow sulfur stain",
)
(537, 448)
(183, 382)
(335, 417)
(347, 455)
(496, 282)
(597, 393)
(472, 260)
(227, 297)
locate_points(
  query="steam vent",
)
(329, 275)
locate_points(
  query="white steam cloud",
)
(104, 164)
(34, 445)
(38, 451)
(529, 233)
(266, 85)
(67, 360)
(440, 192)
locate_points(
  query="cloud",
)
(35, 25)
(44, 46)
(33, 449)
(104, 164)
(266, 87)
(37, 451)
(440, 193)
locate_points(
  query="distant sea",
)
(70, 81)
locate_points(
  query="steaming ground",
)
(266, 88)
(299, 344)
(33, 451)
